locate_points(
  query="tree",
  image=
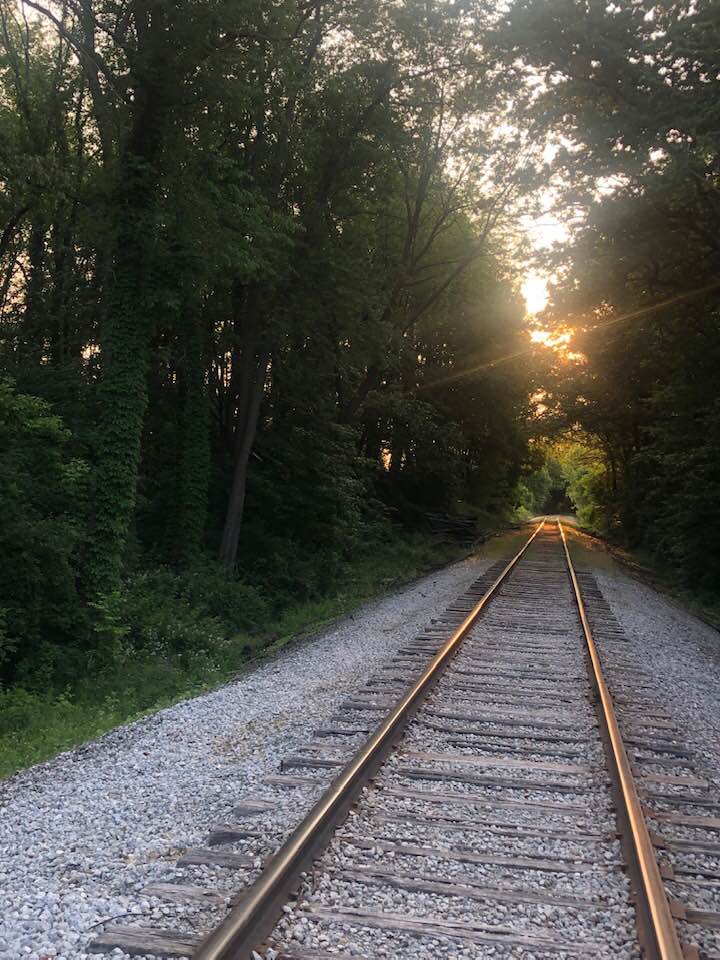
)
(243, 248)
(631, 90)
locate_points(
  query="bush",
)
(42, 491)
(208, 588)
(164, 612)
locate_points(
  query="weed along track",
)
(507, 786)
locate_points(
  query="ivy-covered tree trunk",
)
(122, 399)
(127, 330)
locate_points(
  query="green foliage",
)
(680, 465)
(252, 282)
(42, 490)
(164, 612)
(544, 486)
(533, 491)
(588, 486)
(631, 103)
(309, 510)
(180, 634)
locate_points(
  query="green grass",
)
(37, 724)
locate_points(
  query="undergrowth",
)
(172, 635)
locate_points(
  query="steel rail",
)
(659, 931)
(257, 910)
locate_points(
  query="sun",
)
(535, 291)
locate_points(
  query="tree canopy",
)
(259, 291)
(628, 96)
(245, 248)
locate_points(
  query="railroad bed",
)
(484, 804)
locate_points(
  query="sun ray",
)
(542, 337)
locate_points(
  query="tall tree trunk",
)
(194, 465)
(61, 284)
(126, 333)
(254, 372)
(34, 319)
(122, 397)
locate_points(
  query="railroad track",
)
(495, 793)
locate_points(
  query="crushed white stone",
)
(82, 834)
(680, 653)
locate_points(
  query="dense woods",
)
(244, 246)
(631, 103)
(259, 301)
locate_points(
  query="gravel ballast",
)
(665, 667)
(680, 652)
(83, 834)
(523, 861)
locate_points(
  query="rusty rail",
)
(256, 912)
(656, 926)
(258, 909)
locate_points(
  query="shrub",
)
(164, 612)
(42, 491)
